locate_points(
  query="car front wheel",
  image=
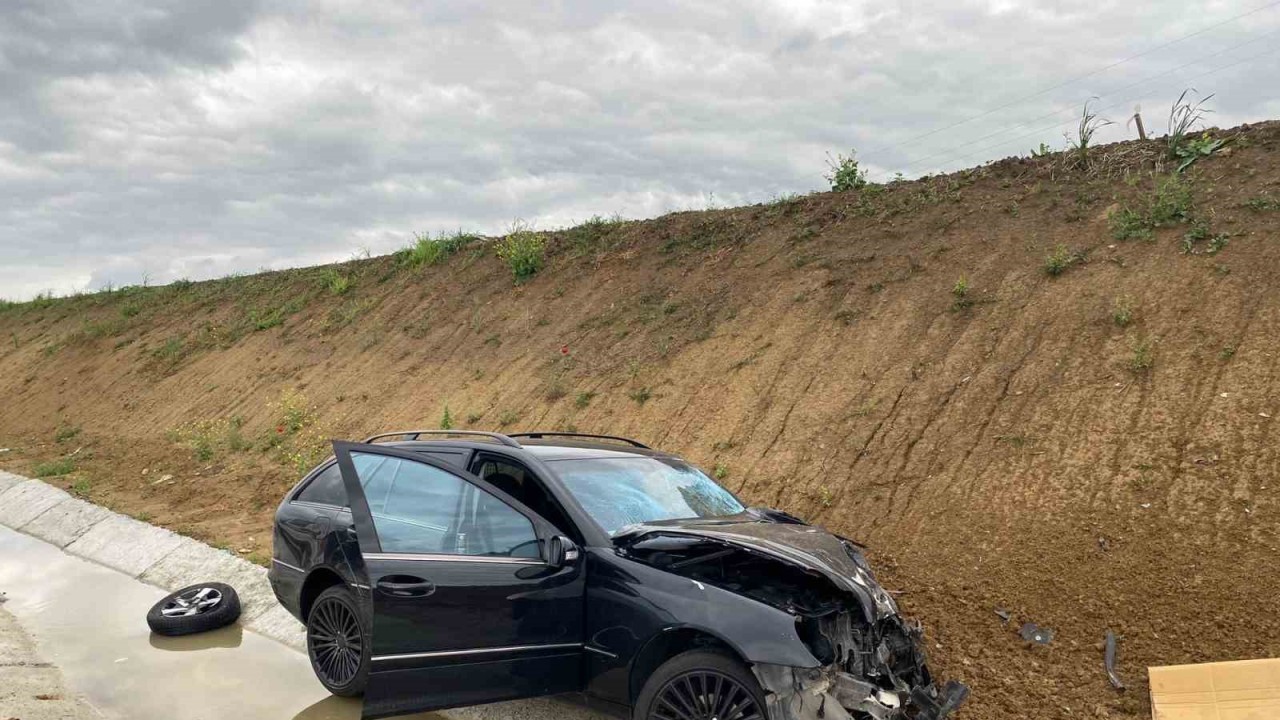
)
(337, 643)
(701, 685)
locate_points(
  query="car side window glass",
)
(419, 508)
(325, 488)
(521, 484)
(376, 473)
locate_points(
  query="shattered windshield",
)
(617, 492)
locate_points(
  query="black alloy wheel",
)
(336, 643)
(704, 695)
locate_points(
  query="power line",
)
(1017, 101)
(980, 151)
(914, 162)
(1038, 131)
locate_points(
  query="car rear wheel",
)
(337, 642)
(701, 685)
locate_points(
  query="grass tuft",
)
(1090, 123)
(54, 468)
(1184, 116)
(335, 282)
(1198, 234)
(1058, 261)
(426, 250)
(594, 235)
(66, 432)
(960, 291)
(1143, 358)
(1262, 203)
(1122, 311)
(524, 251)
(1169, 204)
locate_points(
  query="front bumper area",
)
(877, 672)
(827, 693)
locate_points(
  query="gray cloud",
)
(159, 140)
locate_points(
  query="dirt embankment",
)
(974, 374)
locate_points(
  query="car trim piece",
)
(407, 521)
(435, 557)
(314, 504)
(476, 651)
(600, 651)
(282, 563)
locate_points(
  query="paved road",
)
(31, 688)
(89, 621)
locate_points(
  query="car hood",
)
(787, 539)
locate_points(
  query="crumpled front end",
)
(869, 662)
(868, 671)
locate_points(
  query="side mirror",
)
(561, 551)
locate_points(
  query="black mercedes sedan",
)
(437, 569)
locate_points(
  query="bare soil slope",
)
(1014, 408)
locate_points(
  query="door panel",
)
(464, 610)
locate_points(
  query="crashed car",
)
(436, 569)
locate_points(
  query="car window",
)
(617, 492)
(419, 508)
(522, 484)
(325, 488)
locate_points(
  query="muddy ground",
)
(1012, 406)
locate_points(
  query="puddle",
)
(91, 622)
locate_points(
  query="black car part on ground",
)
(193, 609)
(870, 661)
(1109, 661)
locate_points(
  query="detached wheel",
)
(194, 609)
(337, 643)
(700, 685)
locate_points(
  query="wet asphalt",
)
(90, 621)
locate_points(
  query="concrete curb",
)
(152, 554)
(171, 561)
(27, 500)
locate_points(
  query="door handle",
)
(405, 586)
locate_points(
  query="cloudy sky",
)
(161, 139)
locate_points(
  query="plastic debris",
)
(1033, 633)
(1109, 661)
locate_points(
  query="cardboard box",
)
(1242, 690)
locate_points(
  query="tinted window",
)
(520, 483)
(622, 491)
(325, 488)
(418, 508)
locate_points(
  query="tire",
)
(702, 682)
(195, 609)
(338, 644)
